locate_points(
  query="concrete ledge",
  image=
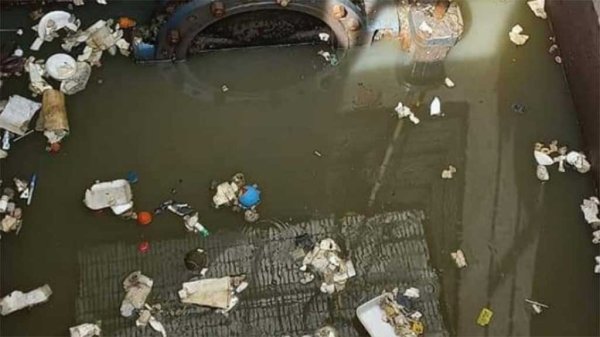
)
(577, 28)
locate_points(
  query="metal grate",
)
(388, 250)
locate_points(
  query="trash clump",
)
(399, 312)
(404, 111)
(239, 196)
(137, 287)
(329, 57)
(549, 155)
(36, 70)
(13, 215)
(98, 38)
(579, 161)
(18, 300)
(325, 260)
(191, 218)
(50, 24)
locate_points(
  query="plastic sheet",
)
(17, 114)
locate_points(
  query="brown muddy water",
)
(174, 126)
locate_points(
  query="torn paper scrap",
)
(537, 7)
(589, 207)
(516, 37)
(459, 258)
(157, 326)
(449, 172)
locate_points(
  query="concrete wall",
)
(577, 28)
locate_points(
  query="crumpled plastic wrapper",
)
(37, 83)
(403, 111)
(589, 207)
(77, 82)
(537, 7)
(516, 37)
(137, 287)
(85, 330)
(99, 37)
(325, 260)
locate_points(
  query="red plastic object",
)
(54, 148)
(144, 218)
(144, 247)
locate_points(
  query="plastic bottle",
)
(202, 230)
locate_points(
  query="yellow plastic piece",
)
(485, 316)
(417, 327)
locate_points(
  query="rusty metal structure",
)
(187, 27)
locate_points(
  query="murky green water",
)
(175, 126)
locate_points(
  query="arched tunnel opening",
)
(266, 27)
